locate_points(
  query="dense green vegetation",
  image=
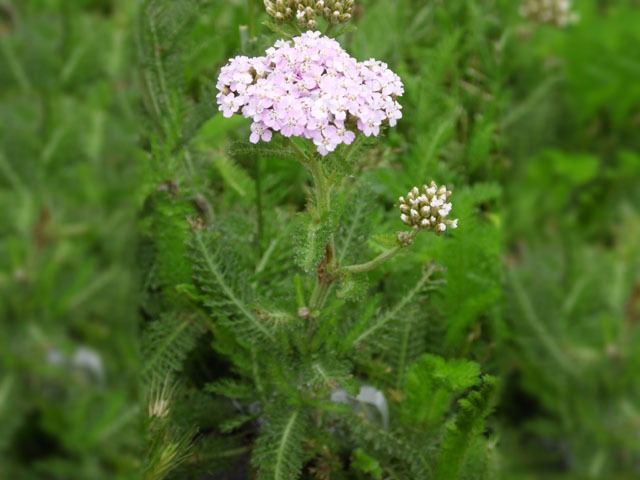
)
(156, 268)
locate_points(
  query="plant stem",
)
(370, 265)
(322, 187)
(379, 260)
(319, 294)
(328, 265)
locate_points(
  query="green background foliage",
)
(148, 251)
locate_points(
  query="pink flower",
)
(259, 132)
(310, 88)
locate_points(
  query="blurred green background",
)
(535, 126)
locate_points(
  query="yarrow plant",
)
(303, 360)
(310, 88)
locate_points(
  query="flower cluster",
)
(553, 12)
(311, 89)
(304, 12)
(427, 210)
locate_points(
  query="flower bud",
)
(289, 11)
(427, 211)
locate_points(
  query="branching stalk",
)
(376, 262)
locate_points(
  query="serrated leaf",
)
(386, 240)
(262, 150)
(284, 30)
(235, 177)
(279, 450)
(230, 388)
(432, 383)
(344, 30)
(310, 240)
(217, 275)
(167, 343)
(353, 287)
(234, 423)
(462, 435)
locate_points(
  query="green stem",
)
(379, 260)
(322, 187)
(370, 265)
(320, 293)
(328, 265)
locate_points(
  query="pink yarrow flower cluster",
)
(310, 88)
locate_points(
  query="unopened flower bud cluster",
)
(552, 12)
(305, 12)
(427, 209)
(311, 89)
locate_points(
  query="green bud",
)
(427, 209)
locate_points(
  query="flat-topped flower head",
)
(553, 12)
(427, 208)
(310, 88)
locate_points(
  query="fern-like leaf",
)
(310, 240)
(235, 177)
(389, 447)
(431, 384)
(260, 150)
(167, 343)
(217, 275)
(398, 309)
(464, 433)
(279, 450)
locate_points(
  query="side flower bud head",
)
(551, 12)
(337, 11)
(427, 209)
(304, 12)
(310, 88)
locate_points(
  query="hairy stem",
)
(376, 262)
(329, 264)
(379, 260)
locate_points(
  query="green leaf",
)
(464, 434)
(282, 29)
(235, 422)
(343, 30)
(167, 342)
(353, 287)
(230, 388)
(364, 463)
(216, 272)
(279, 450)
(235, 177)
(432, 383)
(262, 150)
(311, 239)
